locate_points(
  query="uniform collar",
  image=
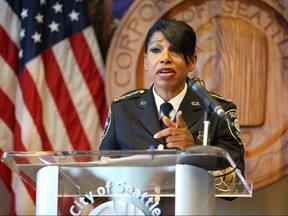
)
(176, 101)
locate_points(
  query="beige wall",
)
(242, 53)
(272, 200)
(264, 131)
(4, 199)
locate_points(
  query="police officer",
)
(134, 120)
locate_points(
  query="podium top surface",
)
(209, 158)
(206, 157)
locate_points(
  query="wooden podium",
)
(133, 182)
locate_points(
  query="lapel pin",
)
(195, 103)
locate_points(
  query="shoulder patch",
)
(107, 125)
(219, 97)
(234, 127)
(130, 95)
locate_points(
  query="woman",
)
(134, 120)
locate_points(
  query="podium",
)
(130, 182)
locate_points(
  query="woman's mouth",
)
(166, 73)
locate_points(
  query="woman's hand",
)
(177, 134)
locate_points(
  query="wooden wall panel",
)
(242, 53)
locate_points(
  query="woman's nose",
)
(165, 58)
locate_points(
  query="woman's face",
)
(166, 66)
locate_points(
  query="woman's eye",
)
(175, 50)
(155, 50)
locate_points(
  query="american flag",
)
(51, 86)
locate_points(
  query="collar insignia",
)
(195, 103)
(142, 103)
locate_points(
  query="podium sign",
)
(129, 180)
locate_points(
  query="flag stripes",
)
(52, 95)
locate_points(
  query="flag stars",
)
(58, 7)
(22, 33)
(24, 13)
(36, 37)
(39, 18)
(54, 26)
(74, 16)
(42, 2)
(20, 54)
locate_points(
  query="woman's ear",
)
(192, 62)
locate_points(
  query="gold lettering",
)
(199, 10)
(192, 13)
(285, 40)
(147, 12)
(227, 6)
(124, 60)
(256, 16)
(125, 43)
(188, 15)
(277, 32)
(280, 4)
(283, 44)
(122, 79)
(162, 4)
(132, 26)
(271, 25)
(241, 10)
(268, 24)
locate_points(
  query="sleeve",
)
(228, 136)
(108, 139)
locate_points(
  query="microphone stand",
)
(206, 128)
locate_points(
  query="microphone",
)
(199, 87)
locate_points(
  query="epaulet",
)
(219, 97)
(131, 94)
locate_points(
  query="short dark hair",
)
(178, 33)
